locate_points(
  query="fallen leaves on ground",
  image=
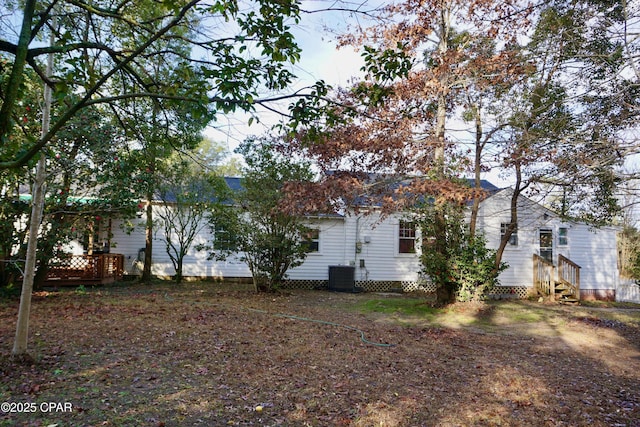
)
(206, 354)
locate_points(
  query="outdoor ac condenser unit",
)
(342, 278)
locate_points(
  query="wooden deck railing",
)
(567, 282)
(569, 274)
(543, 276)
(99, 268)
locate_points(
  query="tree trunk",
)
(443, 293)
(513, 224)
(22, 326)
(475, 207)
(261, 283)
(441, 117)
(151, 152)
(179, 263)
(148, 243)
(41, 274)
(37, 209)
(178, 278)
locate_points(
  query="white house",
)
(542, 232)
(363, 241)
(382, 251)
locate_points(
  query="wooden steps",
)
(561, 283)
(564, 293)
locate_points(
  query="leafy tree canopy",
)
(223, 54)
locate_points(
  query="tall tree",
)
(37, 208)
(101, 51)
(187, 196)
(191, 191)
(563, 132)
(392, 126)
(158, 131)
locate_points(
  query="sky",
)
(320, 60)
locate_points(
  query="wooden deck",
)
(85, 269)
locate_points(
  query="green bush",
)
(452, 258)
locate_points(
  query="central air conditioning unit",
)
(342, 279)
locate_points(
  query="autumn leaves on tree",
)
(454, 88)
(386, 137)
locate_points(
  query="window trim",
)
(514, 240)
(317, 240)
(563, 240)
(413, 229)
(542, 250)
(223, 239)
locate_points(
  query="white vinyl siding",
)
(371, 244)
(592, 249)
(331, 250)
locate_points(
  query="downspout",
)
(344, 241)
(357, 243)
(363, 274)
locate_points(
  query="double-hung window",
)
(407, 237)
(224, 239)
(563, 236)
(513, 239)
(312, 240)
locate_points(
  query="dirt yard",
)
(205, 354)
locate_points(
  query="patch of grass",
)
(518, 312)
(400, 306)
(492, 316)
(624, 315)
(610, 304)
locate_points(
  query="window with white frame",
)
(407, 237)
(563, 236)
(223, 238)
(513, 239)
(312, 240)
